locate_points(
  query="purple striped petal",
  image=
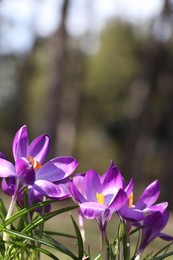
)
(57, 169)
(165, 237)
(150, 195)
(129, 188)
(49, 189)
(153, 225)
(20, 143)
(109, 168)
(39, 148)
(161, 207)
(92, 185)
(113, 181)
(6, 169)
(76, 193)
(8, 186)
(131, 214)
(25, 171)
(2, 156)
(92, 209)
(78, 181)
(33, 197)
(119, 201)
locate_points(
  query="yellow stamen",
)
(100, 198)
(36, 165)
(131, 200)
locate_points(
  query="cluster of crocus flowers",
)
(98, 196)
(101, 196)
(150, 217)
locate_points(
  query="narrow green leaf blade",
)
(56, 243)
(57, 246)
(79, 239)
(3, 211)
(40, 220)
(26, 210)
(42, 250)
(59, 234)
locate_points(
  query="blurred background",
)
(98, 76)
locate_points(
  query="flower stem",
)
(82, 228)
(9, 213)
(41, 228)
(104, 245)
(137, 257)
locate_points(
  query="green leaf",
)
(3, 211)
(163, 256)
(2, 246)
(125, 241)
(58, 234)
(137, 243)
(165, 248)
(135, 230)
(25, 211)
(79, 239)
(24, 245)
(57, 246)
(35, 223)
(64, 249)
(98, 257)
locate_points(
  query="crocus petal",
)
(25, 171)
(49, 189)
(78, 181)
(6, 169)
(113, 181)
(150, 195)
(2, 156)
(92, 185)
(57, 169)
(33, 197)
(156, 221)
(20, 143)
(129, 188)
(119, 201)
(92, 209)
(8, 187)
(153, 224)
(131, 214)
(165, 237)
(76, 193)
(157, 207)
(39, 148)
(111, 165)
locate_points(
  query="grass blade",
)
(26, 210)
(40, 220)
(59, 247)
(79, 239)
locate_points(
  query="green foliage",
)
(110, 70)
(24, 238)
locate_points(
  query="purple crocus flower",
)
(99, 196)
(145, 204)
(30, 170)
(152, 226)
